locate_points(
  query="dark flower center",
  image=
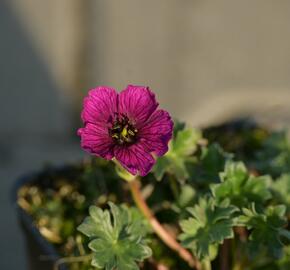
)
(123, 131)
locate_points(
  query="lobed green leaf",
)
(207, 227)
(239, 187)
(180, 152)
(266, 229)
(116, 239)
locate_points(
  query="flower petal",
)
(137, 103)
(100, 105)
(134, 158)
(96, 140)
(156, 133)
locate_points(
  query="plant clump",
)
(205, 199)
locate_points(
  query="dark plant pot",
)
(41, 255)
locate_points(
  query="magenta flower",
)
(126, 126)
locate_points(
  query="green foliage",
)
(123, 173)
(284, 262)
(274, 156)
(181, 148)
(116, 241)
(240, 187)
(225, 199)
(209, 226)
(187, 194)
(211, 162)
(243, 137)
(266, 229)
(178, 126)
(281, 190)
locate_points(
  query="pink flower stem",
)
(166, 237)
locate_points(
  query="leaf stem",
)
(224, 255)
(242, 233)
(167, 238)
(71, 260)
(206, 265)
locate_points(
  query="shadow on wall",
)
(30, 106)
(33, 129)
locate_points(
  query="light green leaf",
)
(239, 187)
(281, 190)
(116, 240)
(209, 225)
(187, 193)
(186, 142)
(123, 173)
(180, 152)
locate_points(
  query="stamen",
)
(131, 132)
(123, 131)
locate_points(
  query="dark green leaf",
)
(211, 163)
(209, 225)
(266, 229)
(274, 157)
(178, 125)
(162, 166)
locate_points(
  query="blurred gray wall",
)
(205, 59)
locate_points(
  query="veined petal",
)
(134, 158)
(96, 140)
(127, 126)
(156, 133)
(100, 105)
(137, 103)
